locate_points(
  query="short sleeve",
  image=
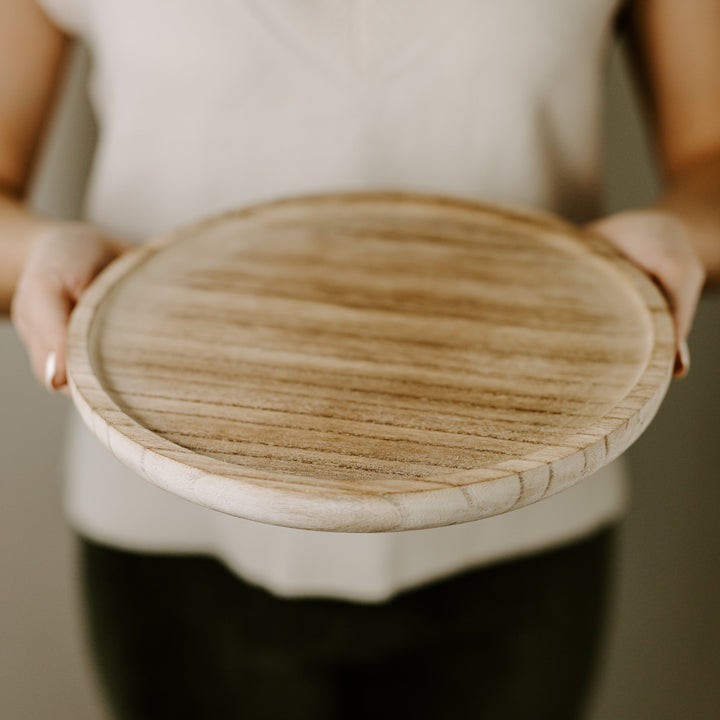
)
(69, 15)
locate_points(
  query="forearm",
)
(693, 196)
(18, 228)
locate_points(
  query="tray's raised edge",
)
(358, 512)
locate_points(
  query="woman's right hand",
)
(62, 261)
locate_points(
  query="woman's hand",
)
(63, 260)
(657, 242)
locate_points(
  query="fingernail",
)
(50, 370)
(684, 358)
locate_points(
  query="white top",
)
(207, 106)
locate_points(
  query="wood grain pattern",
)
(369, 362)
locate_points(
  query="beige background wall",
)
(663, 652)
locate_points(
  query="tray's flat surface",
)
(370, 362)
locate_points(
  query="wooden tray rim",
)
(220, 486)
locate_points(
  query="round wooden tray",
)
(368, 362)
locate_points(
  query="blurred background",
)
(662, 654)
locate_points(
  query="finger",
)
(50, 369)
(682, 278)
(682, 360)
(683, 292)
(51, 376)
(659, 247)
(44, 330)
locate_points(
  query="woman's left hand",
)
(657, 242)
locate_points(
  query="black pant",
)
(183, 638)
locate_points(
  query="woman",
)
(208, 106)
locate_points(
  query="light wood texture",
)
(369, 362)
